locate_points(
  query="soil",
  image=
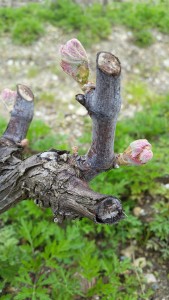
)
(38, 67)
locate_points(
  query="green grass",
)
(48, 97)
(32, 72)
(153, 124)
(92, 23)
(77, 260)
(40, 260)
(26, 31)
(137, 92)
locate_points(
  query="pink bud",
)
(74, 61)
(24, 143)
(139, 152)
(8, 97)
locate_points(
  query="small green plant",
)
(140, 17)
(41, 137)
(143, 38)
(91, 23)
(155, 128)
(158, 229)
(81, 260)
(32, 72)
(26, 31)
(48, 97)
(161, 217)
(137, 92)
(62, 263)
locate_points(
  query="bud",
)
(138, 153)
(8, 97)
(74, 61)
(24, 143)
(75, 150)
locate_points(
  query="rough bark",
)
(55, 178)
(103, 105)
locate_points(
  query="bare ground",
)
(38, 67)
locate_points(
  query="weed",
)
(137, 93)
(91, 23)
(158, 229)
(58, 262)
(42, 260)
(26, 31)
(32, 72)
(143, 38)
(47, 97)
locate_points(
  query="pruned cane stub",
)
(58, 179)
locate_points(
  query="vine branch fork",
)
(58, 179)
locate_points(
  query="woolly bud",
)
(8, 97)
(138, 153)
(74, 61)
(24, 143)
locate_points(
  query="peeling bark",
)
(55, 178)
(52, 180)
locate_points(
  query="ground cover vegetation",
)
(78, 260)
(91, 23)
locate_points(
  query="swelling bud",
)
(74, 61)
(138, 153)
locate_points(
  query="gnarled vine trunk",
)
(56, 178)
